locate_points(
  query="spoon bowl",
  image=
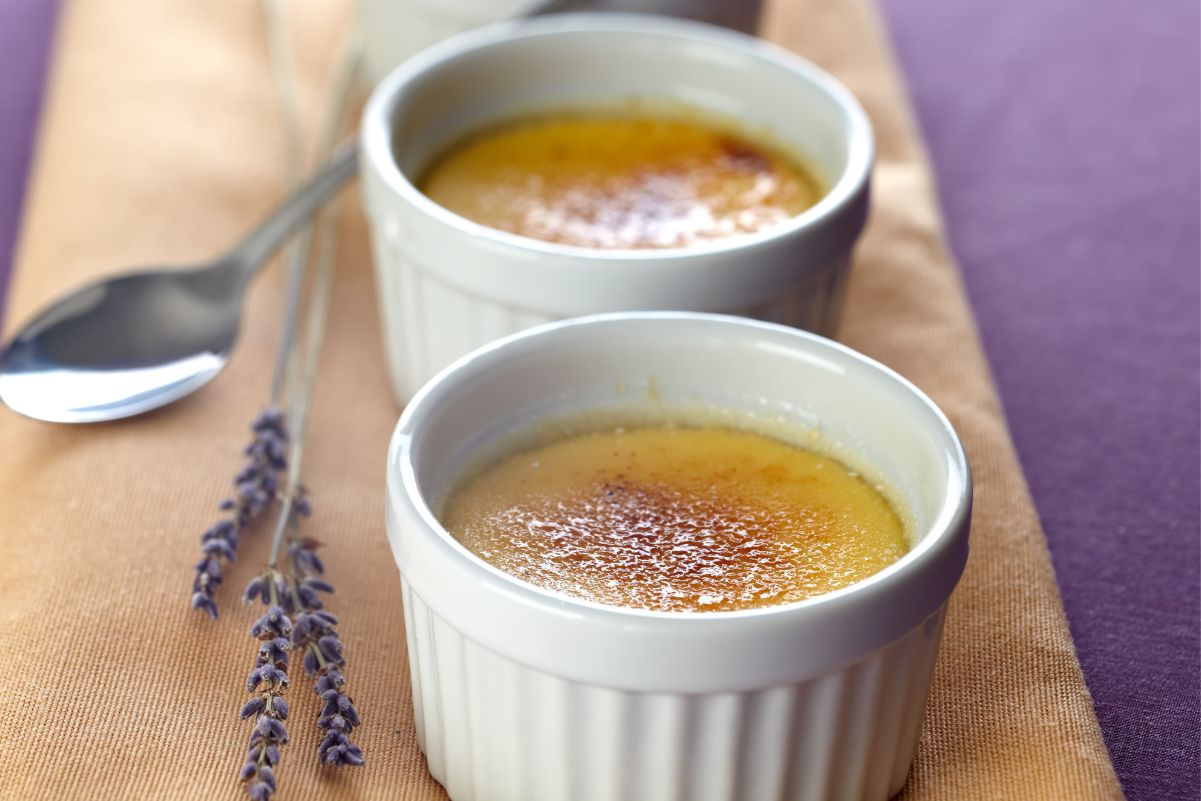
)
(123, 346)
(134, 342)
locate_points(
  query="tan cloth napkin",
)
(160, 144)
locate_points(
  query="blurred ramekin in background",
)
(396, 29)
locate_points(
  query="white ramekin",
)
(447, 285)
(396, 29)
(522, 694)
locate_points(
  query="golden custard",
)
(618, 182)
(677, 519)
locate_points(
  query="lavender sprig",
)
(267, 683)
(295, 595)
(254, 491)
(316, 636)
(295, 592)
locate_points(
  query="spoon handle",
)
(264, 240)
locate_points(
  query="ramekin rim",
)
(947, 531)
(841, 197)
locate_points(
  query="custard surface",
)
(618, 182)
(677, 519)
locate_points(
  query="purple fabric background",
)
(26, 27)
(1066, 140)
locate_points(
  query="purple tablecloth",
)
(1067, 144)
(1066, 140)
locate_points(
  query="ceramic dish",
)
(447, 285)
(396, 29)
(522, 694)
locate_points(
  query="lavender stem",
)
(295, 592)
(279, 52)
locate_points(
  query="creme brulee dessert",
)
(611, 181)
(677, 519)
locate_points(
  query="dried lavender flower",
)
(295, 621)
(314, 634)
(255, 490)
(267, 684)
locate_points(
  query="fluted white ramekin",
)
(522, 694)
(447, 285)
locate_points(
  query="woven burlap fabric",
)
(160, 143)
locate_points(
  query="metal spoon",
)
(137, 341)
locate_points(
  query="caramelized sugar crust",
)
(614, 182)
(677, 519)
